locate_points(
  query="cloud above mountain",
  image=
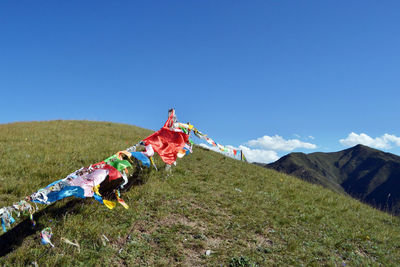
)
(278, 143)
(385, 141)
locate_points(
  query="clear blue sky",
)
(238, 70)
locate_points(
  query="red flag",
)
(167, 142)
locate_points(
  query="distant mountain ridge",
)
(368, 174)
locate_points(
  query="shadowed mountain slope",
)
(365, 173)
(242, 214)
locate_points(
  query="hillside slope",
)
(365, 173)
(243, 214)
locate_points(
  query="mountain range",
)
(368, 174)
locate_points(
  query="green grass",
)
(245, 214)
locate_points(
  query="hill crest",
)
(242, 214)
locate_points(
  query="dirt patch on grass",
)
(193, 258)
(213, 242)
(262, 241)
(177, 219)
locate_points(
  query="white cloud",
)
(259, 155)
(384, 142)
(311, 137)
(264, 149)
(278, 143)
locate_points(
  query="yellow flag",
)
(109, 204)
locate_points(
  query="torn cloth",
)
(88, 181)
(113, 173)
(167, 142)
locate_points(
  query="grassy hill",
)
(245, 214)
(365, 173)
